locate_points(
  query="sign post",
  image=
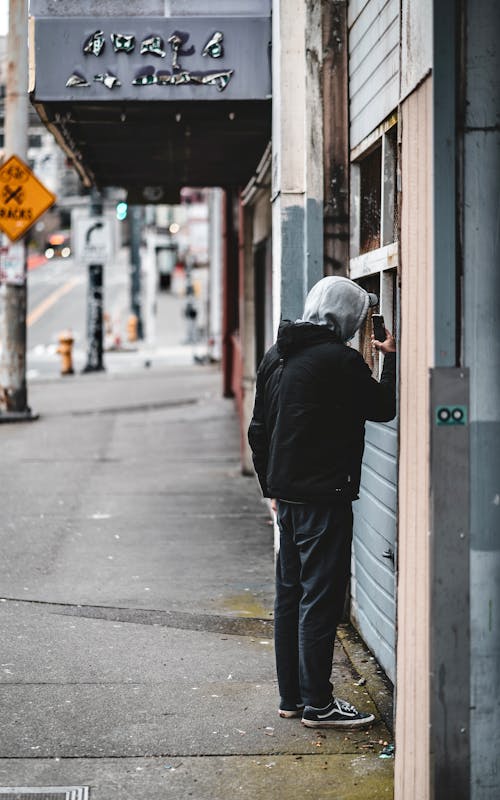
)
(96, 246)
(95, 301)
(136, 220)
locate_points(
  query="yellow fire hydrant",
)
(132, 324)
(65, 350)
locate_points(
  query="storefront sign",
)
(152, 58)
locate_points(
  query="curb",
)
(366, 667)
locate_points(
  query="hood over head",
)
(338, 303)
(294, 336)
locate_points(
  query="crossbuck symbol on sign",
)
(16, 194)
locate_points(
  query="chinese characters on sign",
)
(154, 45)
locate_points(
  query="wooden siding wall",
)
(374, 31)
(412, 712)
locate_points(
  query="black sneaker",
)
(289, 710)
(338, 714)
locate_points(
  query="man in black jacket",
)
(313, 395)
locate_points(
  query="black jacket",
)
(312, 399)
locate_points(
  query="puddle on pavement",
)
(245, 605)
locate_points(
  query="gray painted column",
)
(297, 166)
(482, 356)
(449, 445)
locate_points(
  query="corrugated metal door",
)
(374, 585)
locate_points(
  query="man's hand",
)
(387, 346)
(274, 505)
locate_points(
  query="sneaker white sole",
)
(339, 723)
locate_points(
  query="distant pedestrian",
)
(191, 315)
(313, 396)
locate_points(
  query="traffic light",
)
(121, 211)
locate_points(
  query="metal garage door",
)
(373, 584)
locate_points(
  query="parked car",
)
(58, 245)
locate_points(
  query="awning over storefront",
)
(154, 104)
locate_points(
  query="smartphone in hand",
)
(378, 327)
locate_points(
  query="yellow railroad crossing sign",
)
(22, 198)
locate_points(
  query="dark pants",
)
(312, 571)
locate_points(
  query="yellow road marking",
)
(49, 301)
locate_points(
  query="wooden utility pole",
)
(13, 291)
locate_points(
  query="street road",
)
(57, 300)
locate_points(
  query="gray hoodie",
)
(338, 303)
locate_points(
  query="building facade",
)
(421, 91)
(379, 160)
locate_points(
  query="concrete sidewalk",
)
(136, 578)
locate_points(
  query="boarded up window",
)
(391, 211)
(370, 200)
(374, 196)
